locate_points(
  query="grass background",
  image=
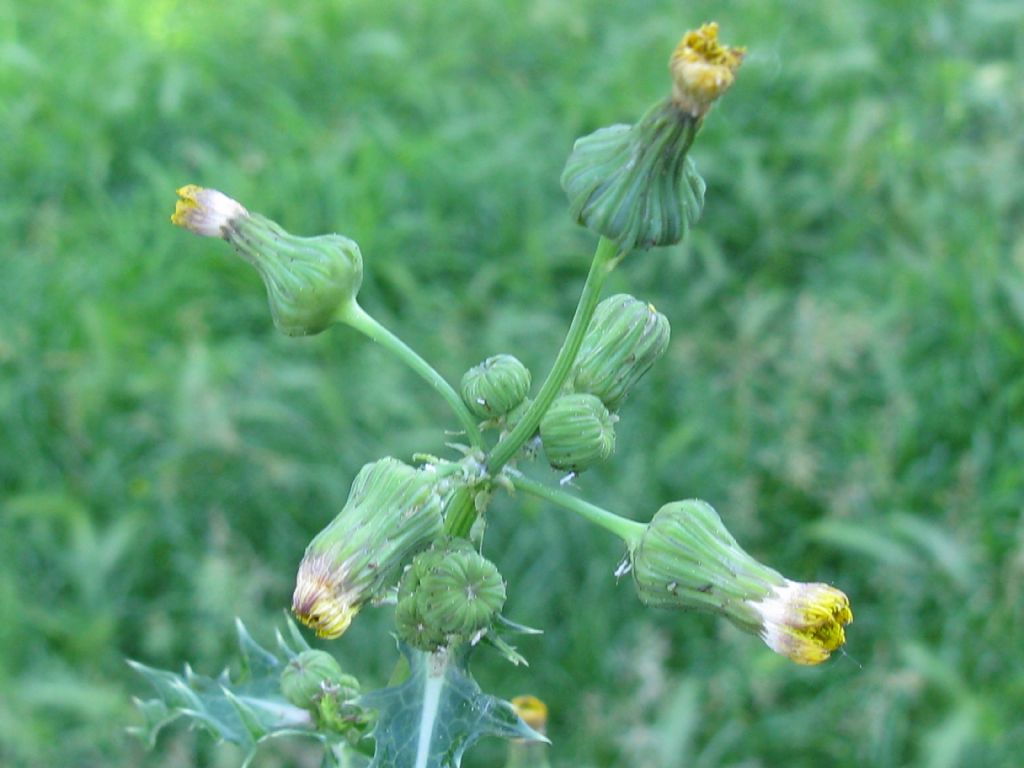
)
(845, 382)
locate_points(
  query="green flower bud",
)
(496, 386)
(635, 184)
(308, 676)
(577, 432)
(687, 559)
(448, 591)
(415, 629)
(393, 511)
(308, 279)
(624, 339)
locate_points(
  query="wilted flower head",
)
(804, 622)
(702, 69)
(392, 512)
(309, 280)
(205, 212)
(327, 596)
(687, 559)
(635, 184)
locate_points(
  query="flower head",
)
(687, 559)
(635, 184)
(392, 512)
(205, 212)
(702, 69)
(322, 600)
(804, 622)
(310, 281)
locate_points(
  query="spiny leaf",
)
(430, 720)
(246, 711)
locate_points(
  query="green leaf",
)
(246, 711)
(437, 713)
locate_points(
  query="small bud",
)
(448, 591)
(393, 511)
(415, 629)
(687, 559)
(577, 432)
(635, 184)
(624, 339)
(308, 279)
(314, 681)
(702, 69)
(496, 386)
(309, 675)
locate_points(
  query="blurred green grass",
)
(845, 382)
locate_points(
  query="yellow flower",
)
(321, 601)
(533, 711)
(804, 622)
(702, 69)
(205, 212)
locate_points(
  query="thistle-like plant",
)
(412, 533)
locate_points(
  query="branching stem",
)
(606, 258)
(629, 531)
(356, 317)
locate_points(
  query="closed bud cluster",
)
(308, 279)
(624, 339)
(577, 432)
(449, 591)
(308, 676)
(496, 386)
(635, 184)
(687, 559)
(393, 511)
(314, 681)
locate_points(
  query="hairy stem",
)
(356, 317)
(629, 531)
(606, 258)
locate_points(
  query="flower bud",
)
(687, 559)
(496, 386)
(577, 432)
(309, 675)
(450, 590)
(624, 339)
(308, 279)
(635, 184)
(393, 511)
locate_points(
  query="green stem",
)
(606, 258)
(356, 317)
(629, 531)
